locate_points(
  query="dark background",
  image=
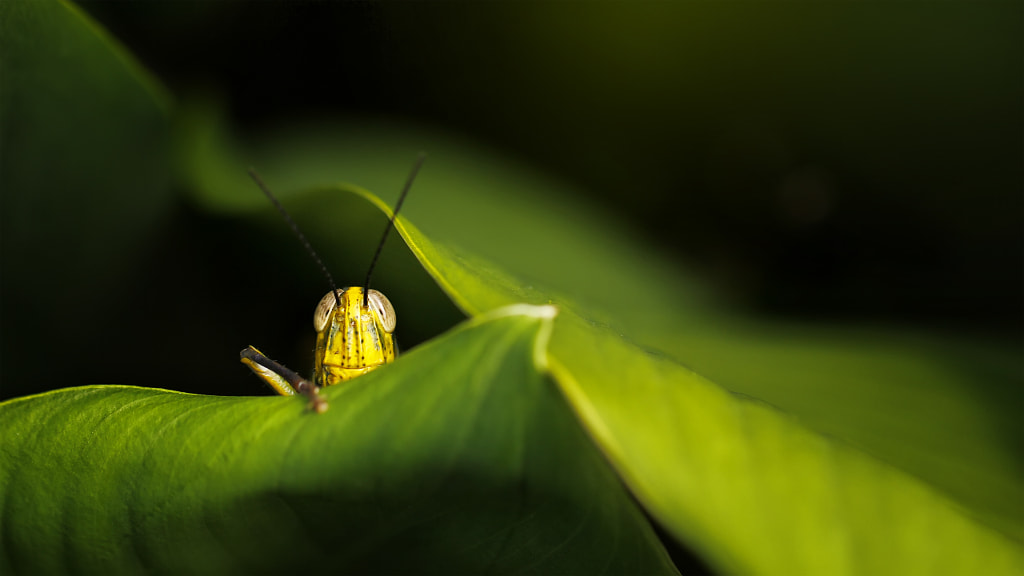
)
(832, 161)
(839, 164)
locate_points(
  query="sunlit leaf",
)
(744, 483)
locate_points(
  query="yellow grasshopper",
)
(354, 325)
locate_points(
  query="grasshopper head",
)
(352, 339)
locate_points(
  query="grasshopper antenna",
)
(391, 223)
(291, 223)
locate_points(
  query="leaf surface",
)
(461, 456)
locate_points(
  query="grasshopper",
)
(354, 325)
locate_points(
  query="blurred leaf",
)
(944, 408)
(460, 457)
(465, 195)
(83, 179)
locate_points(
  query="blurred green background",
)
(842, 164)
(837, 162)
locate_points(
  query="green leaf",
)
(745, 484)
(460, 457)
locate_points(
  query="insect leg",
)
(284, 381)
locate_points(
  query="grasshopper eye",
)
(380, 304)
(323, 311)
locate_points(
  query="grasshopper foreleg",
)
(283, 380)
